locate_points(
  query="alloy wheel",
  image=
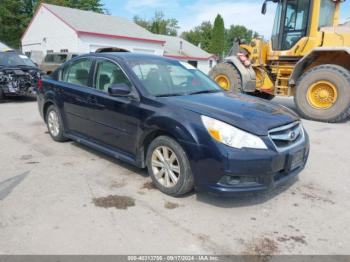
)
(53, 122)
(165, 166)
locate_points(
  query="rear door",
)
(76, 82)
(116, 119)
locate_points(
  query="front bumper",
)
(29, 91)
(227, 171)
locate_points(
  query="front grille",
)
(287, 136)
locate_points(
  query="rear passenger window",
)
(108, 74)
(77, 73)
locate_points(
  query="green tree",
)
(159, 24)
(11, 21)
(218, 37)
(238, 32)
(200, 35)
(15, 15)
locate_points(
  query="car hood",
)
(249, 113)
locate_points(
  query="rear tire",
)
(323, 94)
(54, 124)
(166, 158)
(226, 72)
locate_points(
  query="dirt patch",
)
(170, 205)
(148, 185)
(262, 246)
(32, 162)
(118, 184)
(312, 193)
(297, 239)
(313, 197)
(119, 202)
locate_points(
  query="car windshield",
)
(171, 78)
(14, 59)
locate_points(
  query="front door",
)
(116, 119)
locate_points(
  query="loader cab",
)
(291, 23)
(294, 18)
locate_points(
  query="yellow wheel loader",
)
(308, 57)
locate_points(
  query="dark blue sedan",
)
(166, 115)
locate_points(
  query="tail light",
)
(40, 84)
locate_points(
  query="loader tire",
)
(323, 94)
(227, 77)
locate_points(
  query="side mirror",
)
(121, 89)
(263, 8)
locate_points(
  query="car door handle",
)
(94, 102)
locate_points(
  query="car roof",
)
(62, 53)
(132, 56)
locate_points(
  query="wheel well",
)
(46, 107)
(338, 57)
(148, 140)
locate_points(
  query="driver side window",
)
(109, 74)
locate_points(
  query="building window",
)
(210, 63)
(193, 63)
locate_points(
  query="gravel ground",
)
(62, 198)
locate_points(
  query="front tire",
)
(54, 124)
(323, 94)
(169, 167)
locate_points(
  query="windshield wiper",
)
(204, 92)
(166, 95)
(24, 65)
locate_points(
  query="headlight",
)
(231, 136)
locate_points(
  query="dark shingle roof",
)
(177, 47)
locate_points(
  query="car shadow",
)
(239, 200)
(139, 171)
(18, 99)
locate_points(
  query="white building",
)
(176, 47)
(61, 29)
